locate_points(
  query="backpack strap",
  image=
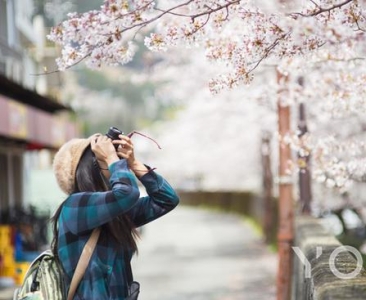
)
(83, 262)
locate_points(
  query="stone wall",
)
(327, 278)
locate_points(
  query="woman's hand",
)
(126, 150)
(104, 150)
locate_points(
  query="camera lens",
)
(113, 133)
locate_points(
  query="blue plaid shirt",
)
(105, 277)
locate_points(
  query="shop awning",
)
(21, 94)
(36, 128)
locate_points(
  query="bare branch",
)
(359, 27)
(316, 4)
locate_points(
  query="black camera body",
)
(113, 133)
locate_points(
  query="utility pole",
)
(304, 161)
(285, 233)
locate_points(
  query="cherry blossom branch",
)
(321, 10)
(68, 67)
(209, 11)
(134, 26)
(144, 23)
(164, 12)
(170, 11)
(267, 51)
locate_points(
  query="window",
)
(3, 23)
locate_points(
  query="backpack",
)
(44, 280)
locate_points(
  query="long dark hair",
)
(88, 178)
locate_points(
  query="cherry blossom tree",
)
(321, 41)
(237, 32)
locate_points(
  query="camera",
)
(113, 134)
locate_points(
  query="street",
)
(197, 254)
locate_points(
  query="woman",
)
(103, 192)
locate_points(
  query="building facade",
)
(32, 116)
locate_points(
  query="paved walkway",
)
(195, 254)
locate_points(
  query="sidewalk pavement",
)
(197, 254)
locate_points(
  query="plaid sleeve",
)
(160, 200)
(87, 210)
